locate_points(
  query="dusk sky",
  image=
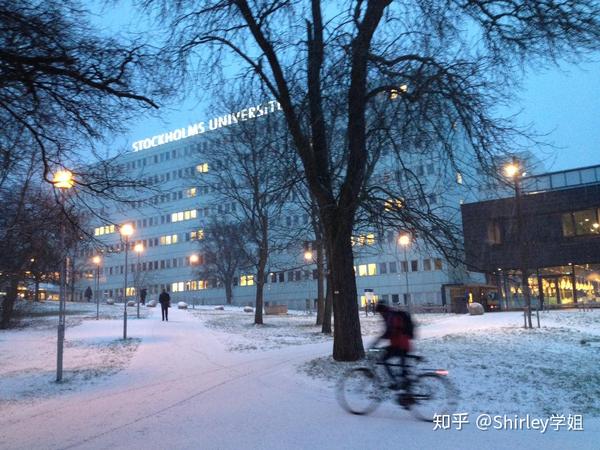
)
(563, 103)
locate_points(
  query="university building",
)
(170, 224)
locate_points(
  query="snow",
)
(211, 379)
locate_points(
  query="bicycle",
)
(426, 393)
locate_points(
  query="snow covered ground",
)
(211, 379)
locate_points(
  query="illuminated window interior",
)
(247, 280)
(202, 168)
(184, 215)
(106, 229)
(169, 239)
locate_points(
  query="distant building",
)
(560, 231)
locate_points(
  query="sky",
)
(563, 104)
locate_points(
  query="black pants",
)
(391, 356)
(165, 312)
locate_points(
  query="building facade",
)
(169, 224)
(554, 232)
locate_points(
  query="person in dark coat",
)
(143, 293)
(88, 294)
(165, 301)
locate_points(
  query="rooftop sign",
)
(202, 127)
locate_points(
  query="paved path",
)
(182, 390)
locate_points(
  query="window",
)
(420, 171)
(404, 266)
(581, 223)
(395, 298)
(586, 222)
(459, 178)
(494, 235)
(191, 192)
(202, 168)
(106, 229)
(178, 286)
(414, 265)
(184, 215)
(169, 239)
(382, 268)
(393, 267)
(430, 169)
(365, 270)
(437, 263)
(364, 239)
(427, 264)
(281, 277)
(247, 280)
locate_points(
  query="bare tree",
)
(450, 63)
(63, 87)
(249, 171)
(223, 253)
(29, 239)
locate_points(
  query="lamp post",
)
(308, 257)
(194, 259)
(514, 173)
(138, 248)
(404, 241)
(62, 180)
(126, 230)
(97, 260)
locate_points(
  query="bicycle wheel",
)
(359, 391)
(432, 394)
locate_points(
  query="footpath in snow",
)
(212, 380)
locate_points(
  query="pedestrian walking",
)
(143, 293)
(88, 294)
(165, 301)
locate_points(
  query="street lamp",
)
(138, 248)
(404, 241)
(308, 257)
(97, 260)
(126, 230)
(514, 172)
(62, 180)
(194, 259)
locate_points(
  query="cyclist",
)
(399, 330)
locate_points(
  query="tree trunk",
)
(228, 292)
(9, 303)
(347, 338)
(526, 294)
(326, 328)
(36, 293)
(260, 283)
(320, 283)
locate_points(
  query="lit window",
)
(184, 215)
(372, 269)
(459, 178)
(202, 168)
(362, 270)
(178, 286)
(393, 204)
(247, 280)
(191, 192)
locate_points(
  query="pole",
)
(61, 306)
(523, 254)
(408, 301)
(137, 287)
(125, 290)
(97, 293)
